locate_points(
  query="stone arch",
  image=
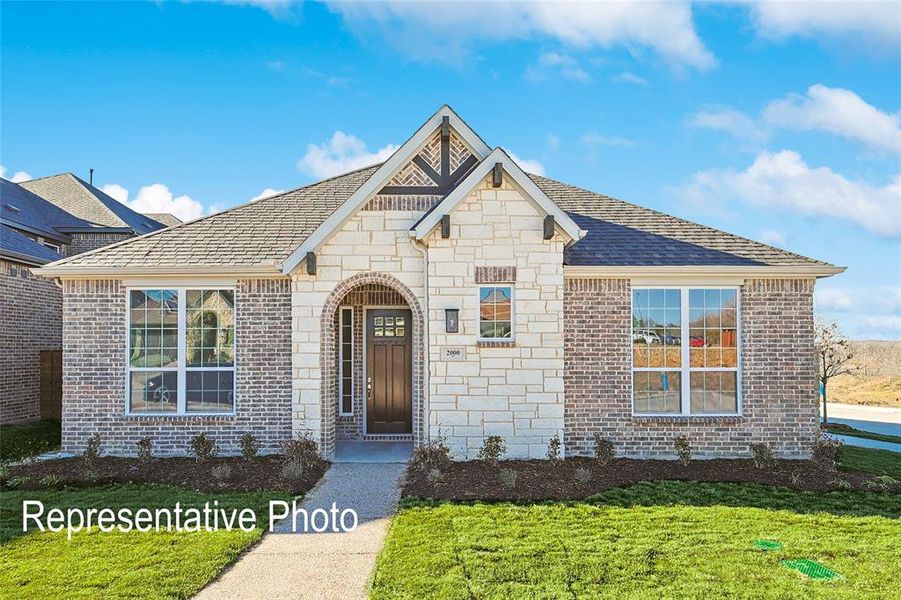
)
(328, 393)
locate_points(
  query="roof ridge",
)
(84, 185)
(669, 216)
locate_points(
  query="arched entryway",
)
(372, 350)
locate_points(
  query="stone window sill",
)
(692, 419)
(495, 344)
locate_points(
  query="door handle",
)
(369, 387)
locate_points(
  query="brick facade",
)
(94, 342)
(85, 242)
(30, 321)
(778, 375)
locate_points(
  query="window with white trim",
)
(496, 313)
(345, 363)
(685, 357)
(181, 351)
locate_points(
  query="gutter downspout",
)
(424, 250)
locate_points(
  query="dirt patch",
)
(577, 478)
(235, 474)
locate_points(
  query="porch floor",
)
(372, 452)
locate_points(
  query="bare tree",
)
(834, 355)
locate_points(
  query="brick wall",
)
(94, 377)
(85, 242)
(778, 367)
(30, 321)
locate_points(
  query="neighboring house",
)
(167, 219)
(443, 292)
(40, 223)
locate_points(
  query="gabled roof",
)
(431, 219)
(167, 219)
(20, 248)
(382, 175)
(25, 210)
(89, 203)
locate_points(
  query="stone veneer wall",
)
(85, 242)
(30, 321)
(94, 379)
(778, 375)
(510, 389)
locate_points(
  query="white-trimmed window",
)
(496, 312)
(685, 351)
(345, 362)
(181, 351)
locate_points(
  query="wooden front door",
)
(389, 371)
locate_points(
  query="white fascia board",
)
(65, 271)
(465, 187)
(383, 175)
(708, 273)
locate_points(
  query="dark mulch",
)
(263, 473)
(546, 480)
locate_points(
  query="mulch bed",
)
(545, 480)
(264, 473)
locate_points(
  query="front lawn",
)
(842, 429)
(29, 439)
(870, 460)
(112, 565)
(661, 539)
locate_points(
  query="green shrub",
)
(493, 449)
(250, 446)
(203, 448)
(683, 449)
(553, 448)
(93, 448)
(145, 449)
(604, 450)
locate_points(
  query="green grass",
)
(30, 439)
(870, 460)
(664, 539)
(116, 565)
(860, 433)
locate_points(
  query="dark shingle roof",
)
(15, 246)
(26, 210)
(166, 219)
(267, 231)
(89, 203)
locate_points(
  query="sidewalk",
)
(320, 565)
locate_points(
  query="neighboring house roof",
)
(166, 219)
(89, 203)
(25, 210)
(20, 248)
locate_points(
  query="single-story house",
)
(444, 292)
(42, 221)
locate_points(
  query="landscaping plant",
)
(493, 449)
(303, 453)
(604, 450)
(553, 448)
(583, 475)
(250, 447)
(92, 449)
(825, 451)
(202, 447)
(434, 455)
(683, 449)
(508, 478)
(145, 449)
(763, 457)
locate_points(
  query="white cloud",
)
(553, 63)
(529, 166)
(832, 299)
(594, 139)
(157, 198)
(840, 112)
(783, 180)
(734, 122)
(17, 177)
(772, 237)
(629, 77)
(867, 23)
(266, 193)
(276, 8)
(343, 153)
(437, 31)
(862, 312)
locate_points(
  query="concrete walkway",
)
(320, 565)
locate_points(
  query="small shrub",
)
(825, 451)
(434, 476)
(303, 452)
(493, 449)
(221, 472)
(4, 471)
(553, 448)
(432, 456)
(841, 484)
(796, 478)
(508, 478)
(763, 457)
(683, 449)
(51, 480)
(291, 470)
(250, 446)
(16, 481)
(203, 448)
(145, 449)
(881, 483)
(604, 450)
(583, 476)
(93, 447)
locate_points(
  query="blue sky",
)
(775, 121)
